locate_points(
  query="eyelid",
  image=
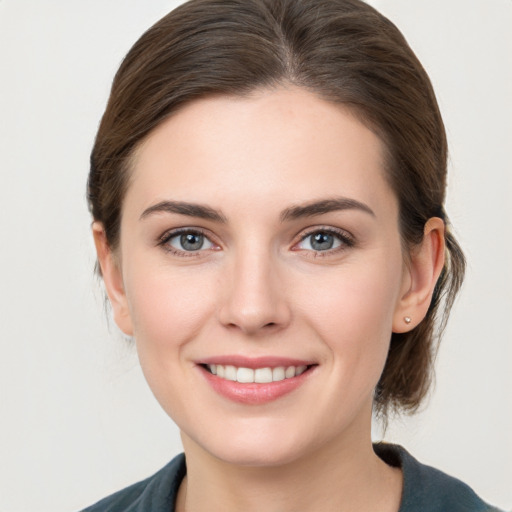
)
(163, 240)
(346, 238)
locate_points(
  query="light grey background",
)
(77, 419)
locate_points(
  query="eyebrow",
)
(292, 213)
(324, 206)
(183, 208)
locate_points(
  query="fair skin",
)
(262, 282)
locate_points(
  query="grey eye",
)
(320, 241)
(190, 241)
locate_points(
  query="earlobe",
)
(423, 271)
(113, 279)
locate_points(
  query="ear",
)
(420, 277)
(113, 279)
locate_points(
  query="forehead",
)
(285, 144)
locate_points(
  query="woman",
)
(267, 188)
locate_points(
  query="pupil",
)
(322, 241)
(191, 241)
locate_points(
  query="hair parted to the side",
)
(342, 50)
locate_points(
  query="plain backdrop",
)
(77, 418)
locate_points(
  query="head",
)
(342, 52)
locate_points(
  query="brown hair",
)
(342, 50)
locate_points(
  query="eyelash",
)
(169, 235)
(346, 241)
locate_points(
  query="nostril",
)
(251, 315)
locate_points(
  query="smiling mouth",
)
(257, 375)
(255, 381)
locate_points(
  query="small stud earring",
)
(407, 319)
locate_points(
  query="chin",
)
(256, 456)
(263, 446)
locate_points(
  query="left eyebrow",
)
(324, 206)
(183, 208)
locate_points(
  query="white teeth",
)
(245, 375)
(278, 373)
(300, 369)
(263, 375)
(230, 373)
(260, 375)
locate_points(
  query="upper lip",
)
(255, 362)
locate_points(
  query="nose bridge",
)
(255, 298)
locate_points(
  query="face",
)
(260, 273)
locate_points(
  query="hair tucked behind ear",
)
(342, 50)
(408, 372)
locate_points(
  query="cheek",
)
(168, 311)
(352, 311)
(168, 307)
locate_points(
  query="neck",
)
(346, 475)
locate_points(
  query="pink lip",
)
(254, 394)
(255, 362)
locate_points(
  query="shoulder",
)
(428, 489)
(156, 493)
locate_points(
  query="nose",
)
(254, 295)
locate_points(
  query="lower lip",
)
(254, 394)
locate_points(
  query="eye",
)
(186, 241)
(323, 240)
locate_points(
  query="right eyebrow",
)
(183, 208)
(324, 206)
